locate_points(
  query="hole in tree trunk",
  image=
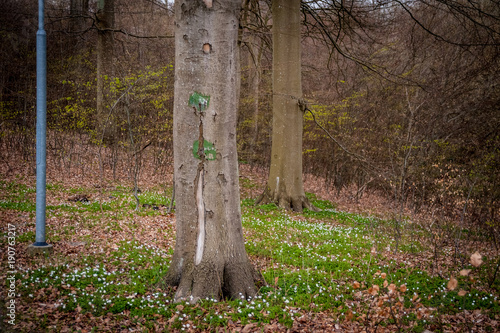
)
(207, 48)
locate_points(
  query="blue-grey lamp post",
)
(40, 244)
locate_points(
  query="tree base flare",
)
(211, 280)
(280, 198)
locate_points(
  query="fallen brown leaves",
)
(387, 303)
(452, 284)
(476, 259)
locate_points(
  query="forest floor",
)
(337, 270)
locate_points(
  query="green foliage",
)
(107, 288)
(17, 196)
(270, 207)
(26, 237)
(309, 245)
(19, 206)
(247, 183)
(149, 94)
(153, 198)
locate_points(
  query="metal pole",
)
(41, 128)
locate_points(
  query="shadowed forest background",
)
(409, 92)
(404, 101)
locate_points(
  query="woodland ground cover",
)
(400, 149)
(331, 270)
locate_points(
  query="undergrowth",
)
(329, 261)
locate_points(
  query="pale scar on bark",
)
(200, 102)
(200, 243)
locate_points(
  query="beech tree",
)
(285, 186)
(105, 52)
(209, 258)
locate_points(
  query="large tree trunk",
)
(105, 54)
(285, 186)
(209, 258)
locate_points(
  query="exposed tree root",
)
(283, 200)
(214, 280)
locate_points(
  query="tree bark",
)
(105, 54)
(209, 258)
(285, 186)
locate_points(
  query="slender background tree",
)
(285, 186)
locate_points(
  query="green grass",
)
(247, 183)
(21, 198)
(28, 236)
(19, 206)
(151, 198)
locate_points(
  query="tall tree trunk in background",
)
(254, 76)
(210, 259)
(284, 186)
(255, 51)
(105, 54)
(78, 10)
